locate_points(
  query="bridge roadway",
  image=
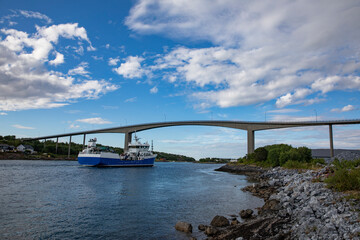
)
(250, 127)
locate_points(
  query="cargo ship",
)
(138, 155)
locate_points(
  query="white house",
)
(23, 148)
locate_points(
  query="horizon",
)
(86, 65)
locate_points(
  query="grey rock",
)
(246, 213)
(211, 231)
(183, 227)
(220, 221)
(201, 227)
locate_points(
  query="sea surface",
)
(62, 200)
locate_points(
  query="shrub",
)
(345, 180)
(305, 154)
(317, 160)
(346, 164)
(274, 156)
(260, 154)
(297, 165)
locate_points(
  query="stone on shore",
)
(246, 213)
(201, 227)
(220, 221)
(183, 227)
(211, 231)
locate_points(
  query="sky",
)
(69, 66)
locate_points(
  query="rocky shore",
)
(297, 206)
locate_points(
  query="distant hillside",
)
(161, 156)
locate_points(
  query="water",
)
(62, 200)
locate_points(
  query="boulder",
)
(246, 213)
(201, 227)
(234, 222)
(183, 227)
(220, 221)
(211, 231)
(270, 206)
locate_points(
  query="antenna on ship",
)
(152, 145)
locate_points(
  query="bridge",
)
(250, 127)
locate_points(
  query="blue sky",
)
(79, 65)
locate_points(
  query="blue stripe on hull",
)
(110, 162)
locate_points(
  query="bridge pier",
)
(128, 137)
(56, 146)
(84, 141)
(331, 141)
(250, 141)
(69, 147)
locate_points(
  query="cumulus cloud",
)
(113, 61)
(25, 81)
(96, 120)
(346, 108)
(58, 59)
(288, 50)
(154, 90)
(80, 70)
(22, 127)
(131, 68)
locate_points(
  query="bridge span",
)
(250, 127)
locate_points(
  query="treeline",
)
(173, 157)
(279, 155)
(214, 160)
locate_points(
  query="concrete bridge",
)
(250, 127)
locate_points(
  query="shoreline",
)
(297, 206)
(28, 157)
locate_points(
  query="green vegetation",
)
(214, 160)
(346, 176)
(281, 155)
(161, 156)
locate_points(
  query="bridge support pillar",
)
(69, 148)
(56, 146)
(84, 141)
(331, 141)
(128, 137)
(250, 141)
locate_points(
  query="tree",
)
(260, 154)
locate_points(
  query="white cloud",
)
(131, 99)
(96, 120)
(346, 108)
(154, 90)
(74, 126)
(58, 59)
(3, 114)
(131, 68)
(31, 14)
(107, 46)
(25, 83)
(286, 50)
(80, 70)
(113, 61)
(288, 118)
(22, 127)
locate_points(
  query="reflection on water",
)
(62, 200)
